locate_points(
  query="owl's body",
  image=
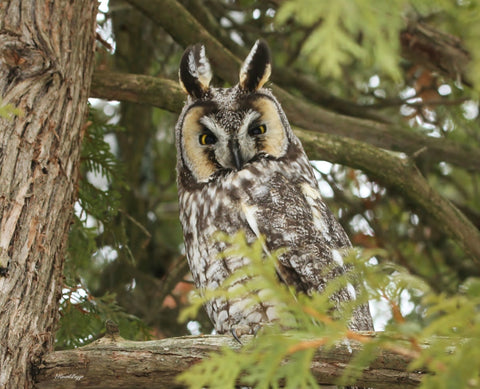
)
(241, 168)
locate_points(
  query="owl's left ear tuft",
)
(195, 72)
(256, 68)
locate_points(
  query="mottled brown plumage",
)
(240, 167)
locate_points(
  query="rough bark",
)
(46, 63)
(117, 363)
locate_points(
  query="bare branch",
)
(402, 175)
(166, 94)
(135, 88)
(112, 362)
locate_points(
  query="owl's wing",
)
(292, 215)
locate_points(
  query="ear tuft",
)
(256, 68)
(195, 72)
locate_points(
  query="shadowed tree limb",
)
(136, 88)
(397, 173)
(166, 94)
(402, 175)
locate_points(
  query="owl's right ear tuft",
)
(195, 72)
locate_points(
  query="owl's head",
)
(221, 130)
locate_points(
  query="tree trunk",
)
(46, 64)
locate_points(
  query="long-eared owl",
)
(240, 167)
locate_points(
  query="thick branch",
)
(135, 88)
(118, 364)
(299, 112)
(166, 94)
(402, 175)
(385, 136)
(391, 171)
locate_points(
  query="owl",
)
(240, 167)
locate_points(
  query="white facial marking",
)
(211, 124)
(249, 118)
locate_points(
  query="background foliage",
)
(360, 60)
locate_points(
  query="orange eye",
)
(258, 130)
(207, 138)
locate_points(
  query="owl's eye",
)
(257, 130)
(207, 138)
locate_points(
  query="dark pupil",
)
(258, 130)
(207, 138)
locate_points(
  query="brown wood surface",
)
(46, 63)
(118, 363)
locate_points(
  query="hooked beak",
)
(236, 154)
